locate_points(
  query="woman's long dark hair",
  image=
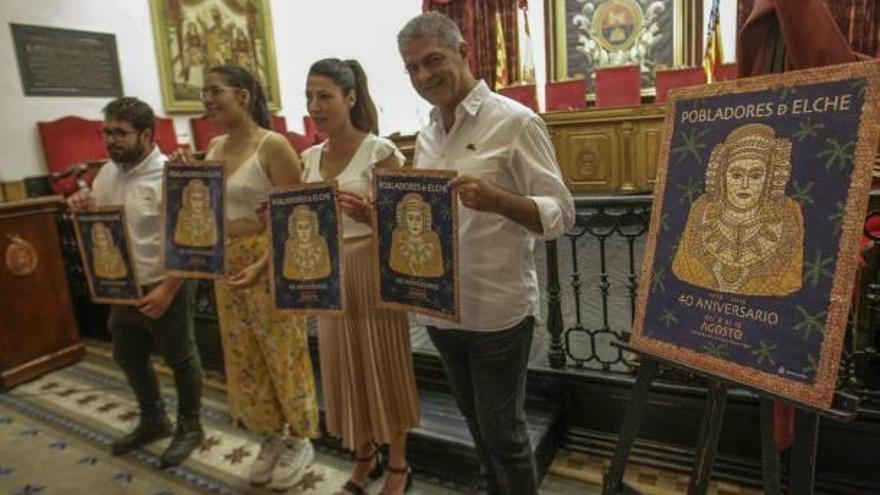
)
(350, 76)
(239, 77)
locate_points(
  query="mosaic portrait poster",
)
(752, 254)
(103, 243)
(306, 266)
(194, 218)
(416, 241)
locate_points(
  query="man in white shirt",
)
(164, 317)
(512, 192)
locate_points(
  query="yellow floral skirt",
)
(268, 368)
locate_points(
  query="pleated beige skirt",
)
(366, 360)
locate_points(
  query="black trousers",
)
(487, 372)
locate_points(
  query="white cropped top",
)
(356, 177)
(247, 186)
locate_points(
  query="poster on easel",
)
(415, 246)
(105, 248)
(194, 220)
(752, 252)
(306, 266)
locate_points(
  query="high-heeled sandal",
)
(374, 474)
(406, 471)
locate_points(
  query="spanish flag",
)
(501, 73)
(714, 55)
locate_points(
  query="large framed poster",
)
(102, 238)
(194, 220)
(194, 35)
(416, 241)
(306, 266)
(585, 35)
(753, 244)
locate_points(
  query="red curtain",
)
(858, 20)
(476, 20)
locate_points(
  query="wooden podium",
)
(37, 324)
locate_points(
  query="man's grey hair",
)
(430, 25)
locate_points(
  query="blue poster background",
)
(207, 260)
(432, 293)
(122, 288)
(324, 293)
(823, 148)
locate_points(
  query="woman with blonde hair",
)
(268, 369)
(367, 374)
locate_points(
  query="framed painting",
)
(105, 248)
(306, 266)
(585, 35)
(415, 243)
(194, 35)
(753, 246)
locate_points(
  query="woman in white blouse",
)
(366, 362)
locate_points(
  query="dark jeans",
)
(487, 372)
(173, 334)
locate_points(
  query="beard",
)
(127, 156)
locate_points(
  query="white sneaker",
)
(296, 456)
(261, 469)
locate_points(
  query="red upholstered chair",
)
(664, 80)
(725, 72)
(618, 86)
(278, 123)
(299, 142)
(166, 136)
(523, 93)
(566, 95)
(203, 131)
(311, 130)
(69, 141)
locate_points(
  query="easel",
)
(803, 454)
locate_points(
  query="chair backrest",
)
(71, 140)
(725, 72)
(166, 136)
(618, 86)
(299, 142)
(664, 80)
(566, 95)
(203, 131)
(311, 129)
(523, 93)
(278, 123)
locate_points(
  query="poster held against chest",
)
(416, 241)
(752, 250)
(102, 237)
(194, 216)
(306, 267)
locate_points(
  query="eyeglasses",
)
(214, 92)
(115, 134)
(431, 63)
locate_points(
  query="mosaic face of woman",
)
(303, 229)
(415, 221)
(198, 200)
(744, 182)
(101, 237)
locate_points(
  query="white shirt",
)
(505, 144)
(140, 191)
(356, 177)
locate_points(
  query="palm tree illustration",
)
(802, 193)
(667, 317)
(818, 268)
(810, 323)
(764, 352)
(838, 154)
(692, 145)
(808, 129)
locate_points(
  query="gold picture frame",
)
(680, 47)
(193, 35)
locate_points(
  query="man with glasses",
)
(164, 317)
(512, 192)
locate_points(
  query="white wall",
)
(304, 33)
